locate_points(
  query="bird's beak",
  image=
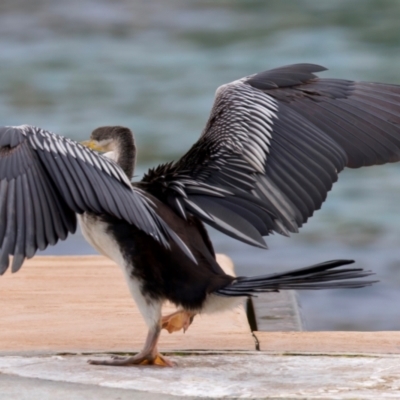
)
(92, 144)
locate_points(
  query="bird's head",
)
(107, 138)
(118, 143)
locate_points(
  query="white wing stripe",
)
(70, 149)
(46, 146)
(61, 148)
(78, 152)
(52, 146)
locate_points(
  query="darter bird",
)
(270, 152)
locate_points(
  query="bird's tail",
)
(326, 275)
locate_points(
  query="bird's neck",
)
(124, 153)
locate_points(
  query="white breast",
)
(95, 232)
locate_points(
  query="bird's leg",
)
(149, 355)
(178, 320)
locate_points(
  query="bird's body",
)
(164, 274)
(269, 154)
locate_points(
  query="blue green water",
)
(154, 66)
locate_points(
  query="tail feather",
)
(319, 276)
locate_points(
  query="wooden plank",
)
(277, 312)
(81, 303)
(330, 342)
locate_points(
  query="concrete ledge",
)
(253, 375)
(329, 342)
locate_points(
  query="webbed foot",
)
(138, 359)
(178, 320)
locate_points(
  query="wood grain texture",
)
(82, 303)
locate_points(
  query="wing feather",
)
(30, 227)
(8, 242)
(3, 208)
(46, 179)
(238, 226)
(21, 222)
(276, 141)
(341, 119)
(46, 200)
(39, 213)
(62, 180)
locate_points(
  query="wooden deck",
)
(82, 304)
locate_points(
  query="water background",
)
(154, 66)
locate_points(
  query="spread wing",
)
(45, 179)
(273, 146)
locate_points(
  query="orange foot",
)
(140, 359)
(178, 320)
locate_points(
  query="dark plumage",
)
(269, 154)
